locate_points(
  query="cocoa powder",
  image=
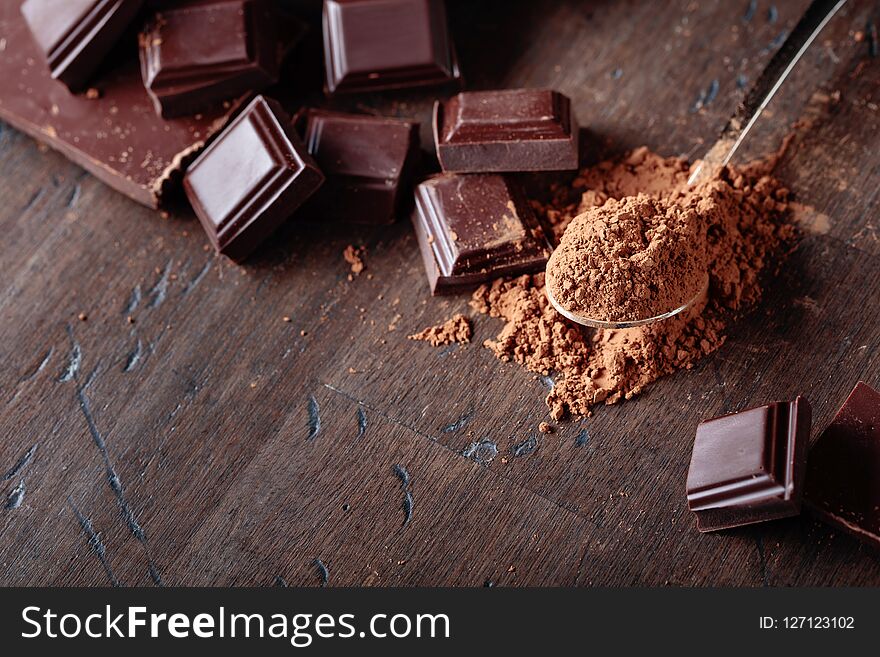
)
(744, 216)
(457, 329)
(354, 256)
(630, 259)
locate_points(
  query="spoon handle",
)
(774, 75)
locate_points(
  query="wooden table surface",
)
(184, 448)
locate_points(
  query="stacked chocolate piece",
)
(472, 221)
(189, 110)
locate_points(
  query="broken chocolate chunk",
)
(474, 228)
(368, 162)
(196, 55)
(389, 44)
(507, 130)
(75, 35)
(749, 467)
(843, 476)
(251, 179)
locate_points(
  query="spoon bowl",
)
(625, 324)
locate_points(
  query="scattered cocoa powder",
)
(639, 172)
(354, 256)
(457, 329)
(745, 217)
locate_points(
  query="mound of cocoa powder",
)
(630, 259)
(745, 217)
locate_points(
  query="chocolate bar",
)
(112, 131)
(509, 130)
(250, 179)
(387, 44)
(367, 160)
(472, 229)
(198, 54)
(843, 476)
(76, 35)
(749, 467)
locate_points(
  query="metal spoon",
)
(598, 323)
(817, 16)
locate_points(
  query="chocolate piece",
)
(198, 54)
(749, 466)
(366, 159)
(472, 229)
(113, 131)
(76, 35)
(509, 130)
(843, 475)
(252, 178)
(387, 44)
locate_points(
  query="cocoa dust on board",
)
(742, 217)
(457, 329)
(354, 256)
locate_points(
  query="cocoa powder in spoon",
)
(630, 259)
(745, 217)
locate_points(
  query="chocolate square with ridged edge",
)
(368, 162)
(75, 35)
(507, 130)
(251, 179)
(195, 55)
(843, 476)
(749, 467)
(475, 228)
(387, 44)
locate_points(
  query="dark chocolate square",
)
(843, 475)
(387, 44)
(507, 130)
(75, 35)
(196, 55)
(748, 467)
(368, 162)
(475, 228)
(251, 179)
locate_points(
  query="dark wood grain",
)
(186, 434)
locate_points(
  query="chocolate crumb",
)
(354, 256)
(457, 329)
